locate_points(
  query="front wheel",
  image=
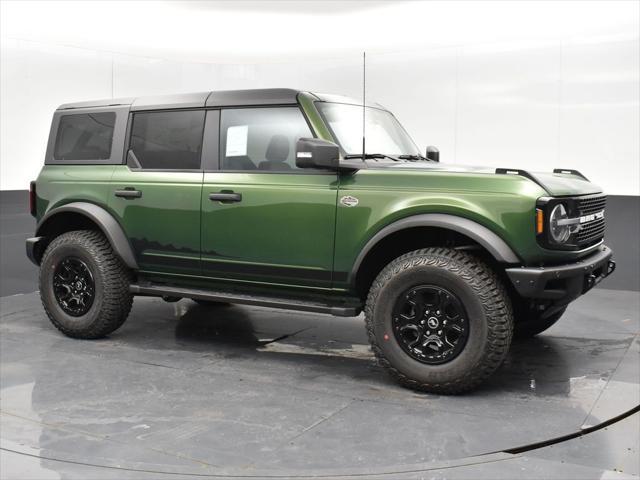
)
(439, 320)
(84, 286)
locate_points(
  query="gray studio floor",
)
(185, 391)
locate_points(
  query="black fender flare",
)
(485, 237)
(105, 221)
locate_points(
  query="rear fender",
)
(103, 219)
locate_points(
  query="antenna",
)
(364, 90)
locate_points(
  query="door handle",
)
(225, 197)
(128, 193)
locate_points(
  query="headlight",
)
(569, 223)
(559, 228)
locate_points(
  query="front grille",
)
(591, 204)
(591, 232)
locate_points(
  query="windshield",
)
(384, 134)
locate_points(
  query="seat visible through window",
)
(261, 138)
(276, 154)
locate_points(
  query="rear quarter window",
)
(85, 136)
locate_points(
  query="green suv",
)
(271, 197)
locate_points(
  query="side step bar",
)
(338, 309)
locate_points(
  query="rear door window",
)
(167, 140)
(85, 136)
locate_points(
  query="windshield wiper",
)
(371, 156)
(412, 157)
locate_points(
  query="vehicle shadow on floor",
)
(302, 342)
(543, 365)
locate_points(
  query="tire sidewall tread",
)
(486, 303)
(112, 301)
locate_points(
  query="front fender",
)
(488, 239)
(103, 219)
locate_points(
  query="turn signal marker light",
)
(539, 221)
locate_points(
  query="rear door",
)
(156, 195)
(263, 219)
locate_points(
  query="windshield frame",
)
(343, 152)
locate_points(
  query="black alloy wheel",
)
(430, 324)
(73, 286)
(84, 285)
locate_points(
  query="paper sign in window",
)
(237, 140)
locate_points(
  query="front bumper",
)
(563, 283)
(35, 249)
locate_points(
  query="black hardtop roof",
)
(219, 98)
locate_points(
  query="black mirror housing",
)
(433, 153)
(317, 153)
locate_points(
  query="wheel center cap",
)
(79, 285)
(433, 322)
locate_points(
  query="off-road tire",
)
(484, 298)
(529, 323)
(112, 300)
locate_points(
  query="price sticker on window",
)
(237, 137)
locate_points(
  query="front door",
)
(156, 196)
(263, 219)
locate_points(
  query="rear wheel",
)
(439, 320)
(84, 286)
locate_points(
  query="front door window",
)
(262, 139)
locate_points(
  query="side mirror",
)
(433, 153)
(317, 153)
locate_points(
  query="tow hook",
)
(590, 281)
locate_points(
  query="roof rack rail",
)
(568, 170)
(522, 173)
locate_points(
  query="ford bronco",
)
(267, 197)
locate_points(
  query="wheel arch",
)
(83, 215)
(438, 228)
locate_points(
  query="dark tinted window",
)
(86, 136)
(261, 138)
(168, 140)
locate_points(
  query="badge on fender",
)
(349, 201)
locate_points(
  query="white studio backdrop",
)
(531, 104)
